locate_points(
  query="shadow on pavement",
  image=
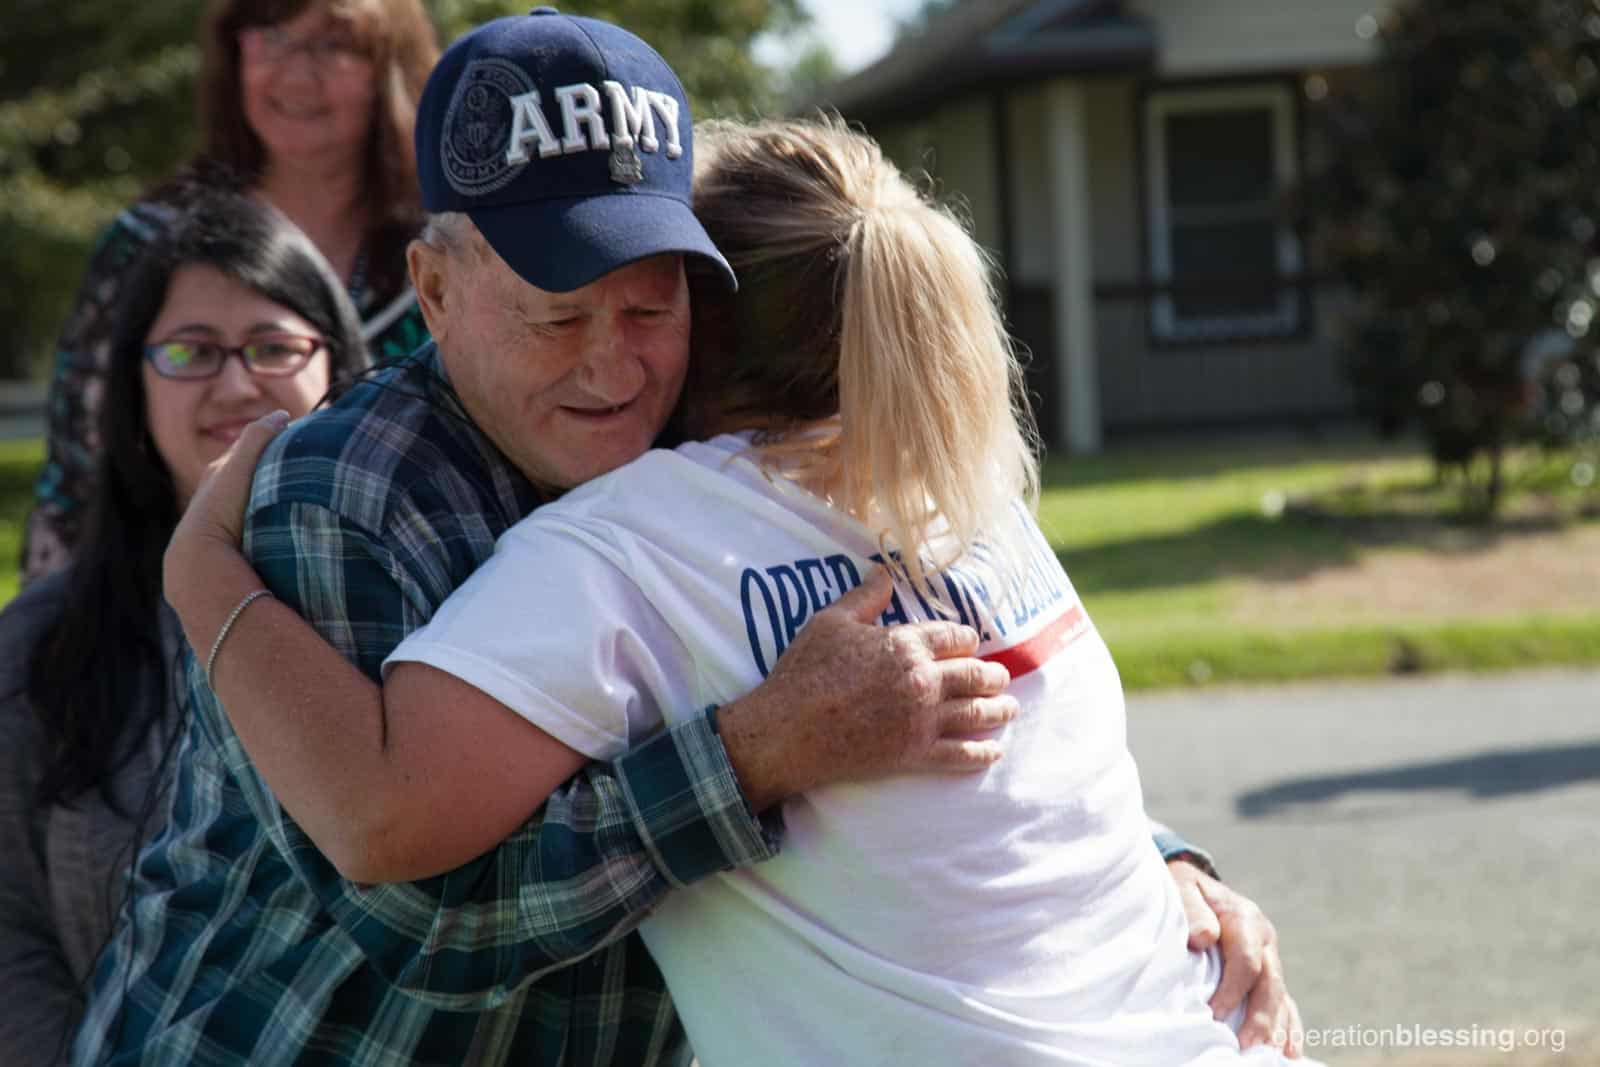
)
(1486, 776)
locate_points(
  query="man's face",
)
(567, 385)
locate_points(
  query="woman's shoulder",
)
(22, 624)
(29, 614)
(661, 496)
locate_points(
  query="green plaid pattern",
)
(241, 943)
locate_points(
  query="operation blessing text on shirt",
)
(780, 598)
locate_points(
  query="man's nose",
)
(612, 372)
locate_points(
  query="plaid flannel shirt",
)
(241, 943)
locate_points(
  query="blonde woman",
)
(856, 403)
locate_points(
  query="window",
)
(1223, 255)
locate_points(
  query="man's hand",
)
(1252, 972)
(850, 700)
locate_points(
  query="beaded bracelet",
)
(222, 634)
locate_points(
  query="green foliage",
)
(1463, 204)
(708, 42)
(96, 101)
(97, 104)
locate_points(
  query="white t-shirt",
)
(1019, 916)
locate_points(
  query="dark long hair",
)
(102, 663)
(403, 46)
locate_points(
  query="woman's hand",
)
(203, 572)
(217, 509)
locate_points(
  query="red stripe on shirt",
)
(1032, 653)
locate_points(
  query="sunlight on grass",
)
(19, 463)
(1167, 545)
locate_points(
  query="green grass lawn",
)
(1181, 553)
(19, 462)
(1172, 546)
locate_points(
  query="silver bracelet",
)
(222, 634)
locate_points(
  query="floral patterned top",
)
(391, 322)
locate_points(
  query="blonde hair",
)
(858, 296)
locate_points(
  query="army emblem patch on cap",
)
(478, 124)
(626, 166)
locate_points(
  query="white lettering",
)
(667, 107)
(581, 103)
(631, 119)
(528, 124)
(634, 117)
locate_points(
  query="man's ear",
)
(429, 268)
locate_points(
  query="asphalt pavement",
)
(1429, 849)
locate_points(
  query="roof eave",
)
(890, 93)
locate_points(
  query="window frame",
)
(1291, 317)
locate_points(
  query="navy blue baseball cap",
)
(569, 143)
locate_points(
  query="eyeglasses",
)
(276, 355)
(274, 45)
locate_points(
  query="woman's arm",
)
(385, 789)
(389, 789)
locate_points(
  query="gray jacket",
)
(63, 869)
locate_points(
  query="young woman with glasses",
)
(308, 105)
(230, 314)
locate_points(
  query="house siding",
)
(1147, 384)
(1143, 387)
(1032, 253)
(956, 146)
(1195, 40)
(1142, 382)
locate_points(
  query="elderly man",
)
(556, 156)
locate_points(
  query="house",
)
(1130, 164)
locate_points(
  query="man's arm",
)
(1173, 847)
(430, 772)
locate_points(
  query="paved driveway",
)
(1429, 849)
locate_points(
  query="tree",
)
(1463, 208)
(707, 42)
(97, 104)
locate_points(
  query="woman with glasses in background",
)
(229, 314)
(308, 105)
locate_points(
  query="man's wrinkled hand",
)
(851, 700)
(1252, 971)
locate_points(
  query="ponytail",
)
(860, 297)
